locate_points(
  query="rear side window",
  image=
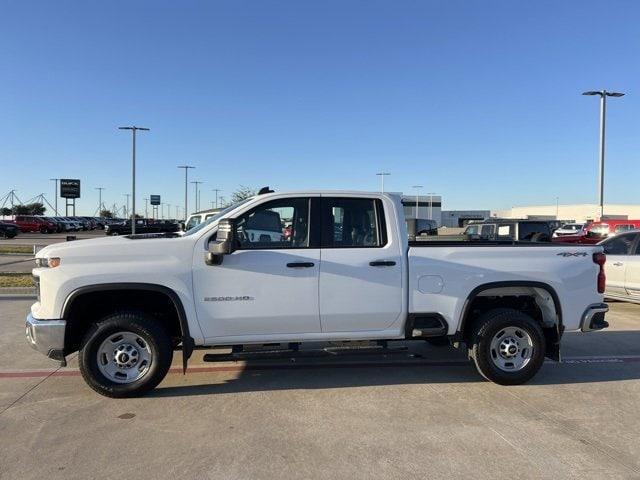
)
(620, 245)
(529, 231)
(351, 222)
(623, 228)
(505, 230)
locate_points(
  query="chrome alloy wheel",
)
(511, 349)
(124, 357)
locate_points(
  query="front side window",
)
(619, 245)
(351, 222)
(276, 224)
(193, 221)
(487, 231)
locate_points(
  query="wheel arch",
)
(188, 343)
(553, 327)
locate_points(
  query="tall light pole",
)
(146, 207)
(99, 199)
(216, 190)
(168, 210)
(557, 206)
(417, 187)
(382, 175)
(56, 193)
(186, 178)
(133, 129)
(603, 110)
(196, 183)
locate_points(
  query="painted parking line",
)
(242, 366)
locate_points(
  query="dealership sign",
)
(69, 188)
(155, 199)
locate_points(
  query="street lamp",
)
(99, 199)
(382, 175)
(196, 183)
(56, 193)
(431, 194)
(186, 175)
(417, 187)
(216, 190)
(126, 213)
(133, 129)
(603, 110)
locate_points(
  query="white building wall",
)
(578, 212)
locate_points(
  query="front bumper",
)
(46, 336)
(593, 318)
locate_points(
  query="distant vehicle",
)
(419, 227)
(622, 267)
(74, 225)
(509, 229)
(142, 226)
(32, 223)
(569, 229)
(595, 232)
(198, 217)
(8, 230)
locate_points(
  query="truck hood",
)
(98, 249)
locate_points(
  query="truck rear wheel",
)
(507, 346)
(125, 355)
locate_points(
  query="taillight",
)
(600, 259)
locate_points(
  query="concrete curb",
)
(13, 291)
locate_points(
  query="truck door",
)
(269, 285)
(632, 272)
(361, 268)
(618, 251)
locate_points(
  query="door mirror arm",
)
(224, 244)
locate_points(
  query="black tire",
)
(491, 324)
(141, 325)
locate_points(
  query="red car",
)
(30, 223)
(597, 231)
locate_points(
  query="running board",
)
(238, 353)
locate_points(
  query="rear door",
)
(632, 270)
(618, 251)
(360, 269)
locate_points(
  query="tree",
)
(4, 211)
(242, 192)
(29, 209)
(106, 213)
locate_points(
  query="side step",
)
(268, 352)
(426, 325)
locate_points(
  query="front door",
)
(617, 250)
(632, 272)
(361, 269)
(269, 285)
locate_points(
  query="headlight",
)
(52, 262)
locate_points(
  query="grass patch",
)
(28, 249)
(16, 280)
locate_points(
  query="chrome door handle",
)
(618, 264)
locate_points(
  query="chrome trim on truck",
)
(590, 322)
(46, 336)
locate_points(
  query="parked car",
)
(623, 266)
(124, 303)
(8, 230)
(570, 229)
(420, 227)
(32, 223)
(595, 232)
(509, 229)
(142, 226)
(198, 217)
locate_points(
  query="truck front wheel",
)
(507, 346)
(125, 355)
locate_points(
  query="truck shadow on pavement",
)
(606, 357)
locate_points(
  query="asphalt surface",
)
(43, 239)
(421, 413)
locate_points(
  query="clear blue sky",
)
(477, 100)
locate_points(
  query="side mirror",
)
(224, 244)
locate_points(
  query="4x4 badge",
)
(572, 254)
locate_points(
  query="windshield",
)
(215, 218)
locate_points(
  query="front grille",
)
(36, 282)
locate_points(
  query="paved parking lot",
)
(423, 414)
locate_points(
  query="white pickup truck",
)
(342, 270)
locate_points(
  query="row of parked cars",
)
(41, 224)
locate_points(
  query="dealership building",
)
(583, 212)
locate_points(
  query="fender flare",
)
(514, 283)
(188, 344)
